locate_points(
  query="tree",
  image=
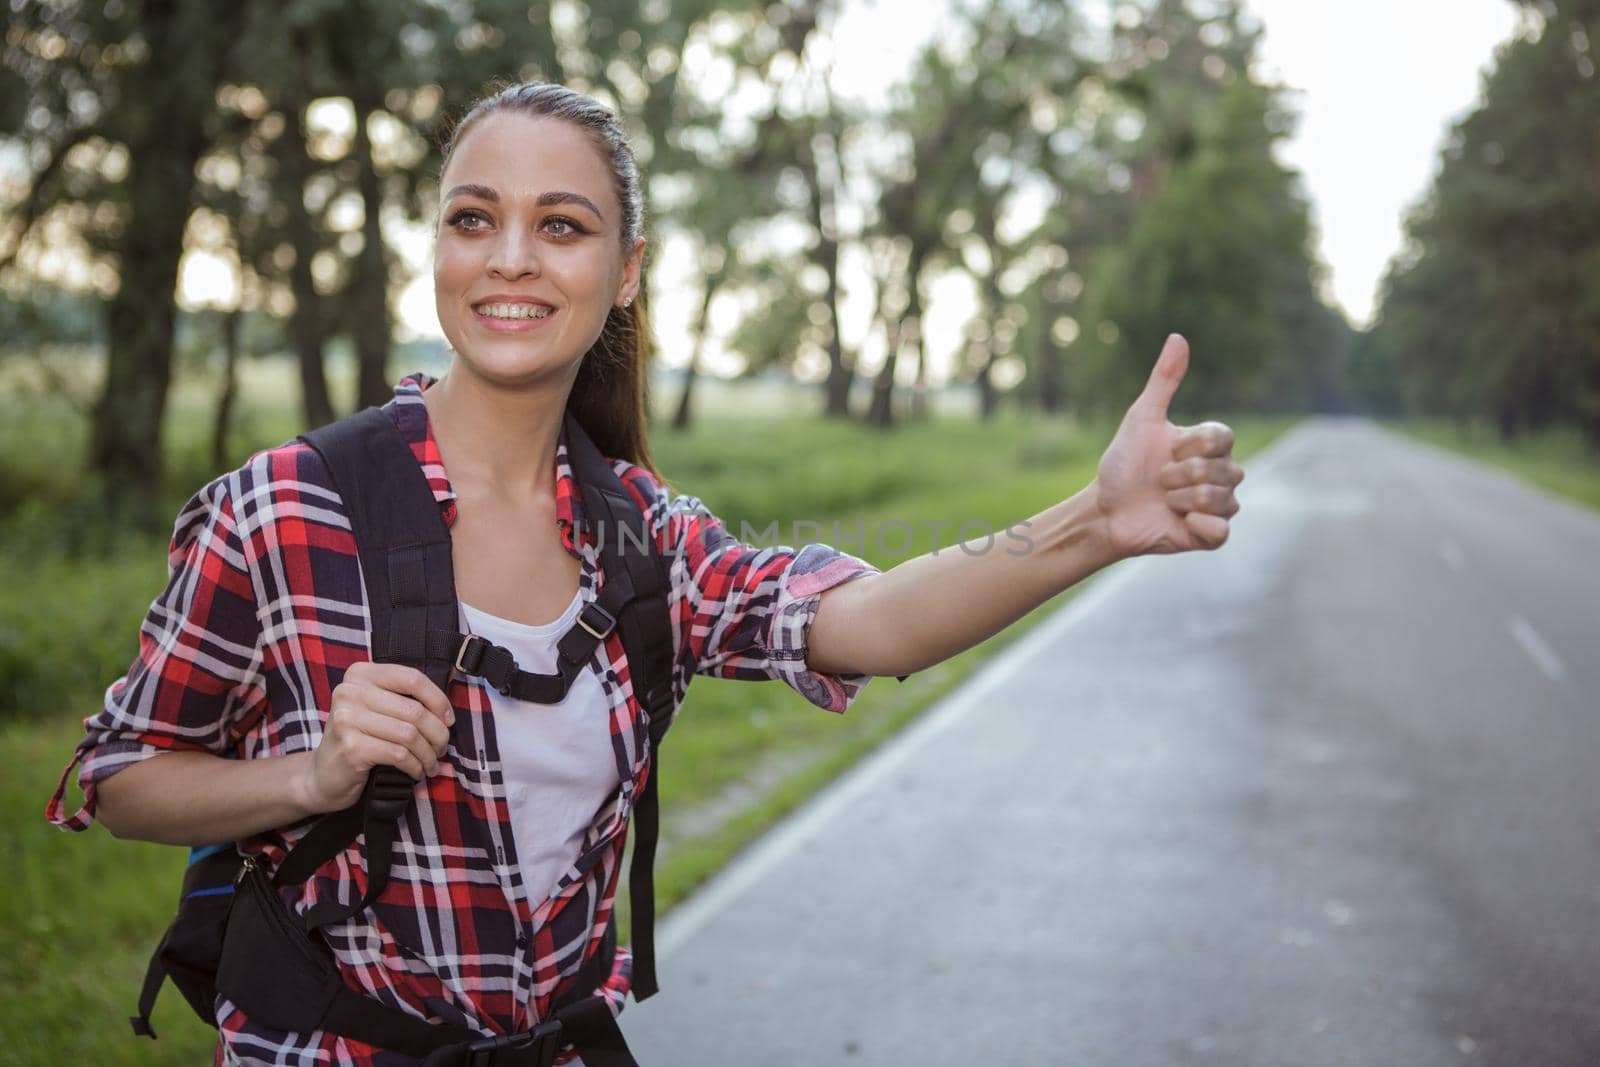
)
(1219, 248)
(734, 176)
(1029, 77)
(972, 117)
(135, 85)
(1494, 308)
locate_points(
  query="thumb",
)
(1165, 376)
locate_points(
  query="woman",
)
(504, 879)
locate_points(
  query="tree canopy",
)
(1090, 185)
(1493, 308)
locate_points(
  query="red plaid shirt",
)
(264, 611)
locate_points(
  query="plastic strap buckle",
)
(600, 626)
(388, 793)
(482, 1053)
(469, 657)
(658, 699)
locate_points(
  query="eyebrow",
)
(550, 199)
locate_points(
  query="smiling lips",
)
(512, 315)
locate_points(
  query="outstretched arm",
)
(1160, 488)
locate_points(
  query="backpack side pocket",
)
(270, 966)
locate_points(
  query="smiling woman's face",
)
(528, 260)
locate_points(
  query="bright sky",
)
(1378, 83)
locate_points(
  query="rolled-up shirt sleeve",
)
(746, 610)
(198, 669)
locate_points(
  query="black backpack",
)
(233, 936)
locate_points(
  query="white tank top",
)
(557, 759)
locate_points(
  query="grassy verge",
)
(1557, 460)
(83, 911)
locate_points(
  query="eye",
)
(561, 226)
(468, 220)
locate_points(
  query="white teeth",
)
(513, 311)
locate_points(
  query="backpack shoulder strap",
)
(629, 558)
(400, 536)
(404, 548)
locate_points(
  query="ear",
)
(628, 290)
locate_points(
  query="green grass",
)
(82, 912)
(1557, 460)
(79, 917)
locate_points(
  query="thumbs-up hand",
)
(1166, 488)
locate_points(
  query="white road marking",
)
(1282, 496)
(1536, 648)
(1452, 555)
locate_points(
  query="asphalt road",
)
(1330, 796)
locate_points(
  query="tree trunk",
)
(841, 379)
(222, 422)
(683, 414)
(909, 327)
(682, 417)
(881, 413)
(1047, 363)
(1506, 420)
(988, 395)
(167, 104)
(372, 324)
(306, 330)
(824, 218)
(1589, 404)
(993, 301)
(841, 375)
(1589, 423)
(125, 449)
(890, 333)
(919, 383)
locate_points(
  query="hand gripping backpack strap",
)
(269, 964)
(631, 562)
(404, 548)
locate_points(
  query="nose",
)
(515, 255)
